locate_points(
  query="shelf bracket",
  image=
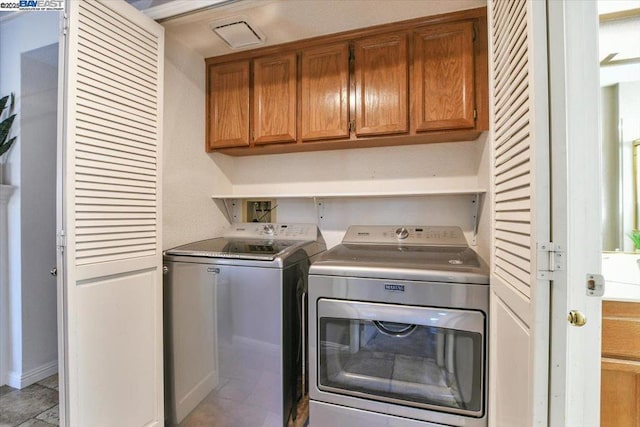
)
(227, 207)
(319, 204)
(475, 209)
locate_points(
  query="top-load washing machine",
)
(398, 321)
(234, 325)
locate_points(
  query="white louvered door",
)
(112, 275)
(519, 332)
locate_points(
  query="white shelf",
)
(228, 206)
(448, 192)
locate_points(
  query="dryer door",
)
(422, 357)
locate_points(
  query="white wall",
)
(20, 33)
(190, 176)
(403, 168)
(620, 37)
(38, 119)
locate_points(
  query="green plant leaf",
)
(635, 238)
(5, 125)
(3, 102)
(5, 147)
(5, 128)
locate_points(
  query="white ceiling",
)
(289, 20)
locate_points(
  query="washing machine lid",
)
(221, 247)
(382, 252)
(254, 241)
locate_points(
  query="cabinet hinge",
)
(475, 114)
(352, 126)
(475, 33)
(352, 55)
(550, 260)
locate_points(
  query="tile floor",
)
(37, 406)
(33, 406)
(219, 412)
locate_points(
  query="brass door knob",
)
(576, 318)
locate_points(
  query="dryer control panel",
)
(405, 234)
(267, 231)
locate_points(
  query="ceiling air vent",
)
(238, 33)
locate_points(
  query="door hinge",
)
(550, 260)
(61, 240)
(65, 24)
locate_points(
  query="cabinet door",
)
(325, 93)
(381, 85)
(228, 105)
(274, 99)
(620, 393)
(443, 77)
(620, 380)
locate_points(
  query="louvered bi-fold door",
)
(111, 135)
(519, 331)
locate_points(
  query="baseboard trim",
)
(17, 380)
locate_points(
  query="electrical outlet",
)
(258, 210)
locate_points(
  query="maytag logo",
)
(393, 287)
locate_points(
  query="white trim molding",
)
(176, 8)
(25, 379)
(5, 194)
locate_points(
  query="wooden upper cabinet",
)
(381, 85)
(274, 99)
(228, 105)
(419, 81)
(443, 77)
(325, 92)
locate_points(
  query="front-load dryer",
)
(398, 330)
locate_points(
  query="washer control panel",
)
(405, 234)
(268, 231)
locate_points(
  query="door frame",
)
(574, 392)
(63, 398)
